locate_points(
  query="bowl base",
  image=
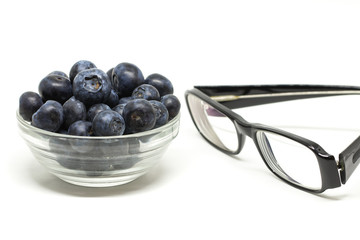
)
(99, 182)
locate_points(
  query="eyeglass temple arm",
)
(246, 96)
(349, 159)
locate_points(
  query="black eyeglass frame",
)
(225, 98)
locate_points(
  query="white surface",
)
(197, 192)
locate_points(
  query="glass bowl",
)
(98, 161)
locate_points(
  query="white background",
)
(197, 192)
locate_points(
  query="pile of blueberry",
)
(91, 102)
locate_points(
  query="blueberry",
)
(139, 116)
(70, 158)
(63, 130)
(109, 73)
(125, 163)
(95, 109)
(55, 87)
(108, 123)
(69, 162)
(161, 83)
(50, 116)
(147, 92)
(80, 66)
(125, 78)
(119, 108)
(125, 99)
(91, 86)
(113, 99)
(74, 110)
(162, 114)
(59, 73)
(172, 104)
(29, 103)
(80, 128)
(65, 158)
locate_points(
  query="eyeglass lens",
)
(290, 159)
(215, 126)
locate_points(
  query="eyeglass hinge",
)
(349, 159)
(340, 165)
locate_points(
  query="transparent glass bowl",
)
(98, 161)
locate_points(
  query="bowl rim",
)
(28, 126)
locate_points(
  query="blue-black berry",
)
(49, 116)
(74, 110)
(139, 116)
(113, 99)
(91, 86)
(125, 99)
(161, 83)
(55, 87)
(80, 66)
(147, 92)
(29, 103)
(95, 109)
(125, 78)
(108, 123)
(59, 73)
(109, 73)
(172, 104)
(162, 114)
(119, 108)
(80, 128)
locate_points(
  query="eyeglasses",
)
(309, 167)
